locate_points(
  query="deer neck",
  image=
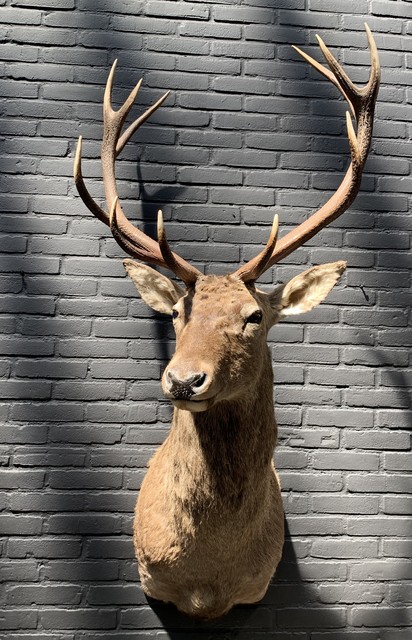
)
(226, 452)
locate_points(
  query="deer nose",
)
(184, 388)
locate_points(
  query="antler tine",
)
(324, 71)
(375, 72)
(112, 124)
(189, 277)
(138, 122)
(130, 238)
(349, 91)
(251, 271)
(82, 189)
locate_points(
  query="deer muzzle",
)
(180, 387)
(188, 389)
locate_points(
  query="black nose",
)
(185, 388)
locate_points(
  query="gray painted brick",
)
(24, 389)
(123, 6)
(376, 617)
(19, 479)
(44, 4)
(121, 458)
(376, 440)
(127, 368)
(394, 419)
(117, 501)
(91, 347)
(52, 456)
(24, 594)
(85, 479)
(398, 505)
(45, 502)
(321, 525)
(351, 592)
(20, 16)
(312, 618)
(341, 377)
(89, 390)
(208, 65)
(376, 398)
(55, 327)
(393, 526)
(47, 413)
(382, 9)
(88, 570)
(401, 593)
(86, 524)
(364, 356)
(396, 548)
(350, 635)
(64, 247)
(115, 547)
(50, 369)
(310, 438)
(340, 335)
(344, 548)
(383, 570)
(21, 619)
(19, 571)
(346, 504)
(116, 412)
(24, 434)
(178, 10)
(44, 547)
(21, 525)
(90, 434)
(384, 483)
(30, 304)
(71, 619)
(29, 264)
(249, 127)
(242, 14)
(397, 462)
(71, 19)
(211, 30)
(345, 460)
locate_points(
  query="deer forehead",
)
(217, 296)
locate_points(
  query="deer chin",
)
(194, 406)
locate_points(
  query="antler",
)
(361, 102)
(132, 240)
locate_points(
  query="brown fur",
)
(209, 529)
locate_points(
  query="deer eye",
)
(255, 317)
(175, 313)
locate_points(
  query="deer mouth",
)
(194, 406)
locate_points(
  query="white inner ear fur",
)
(158, 291)
(307, 290)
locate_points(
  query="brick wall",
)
(248, 130)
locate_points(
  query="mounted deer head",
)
(209, 521)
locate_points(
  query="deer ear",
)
(160, 293)
(307, 290)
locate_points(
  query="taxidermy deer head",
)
(209, 521)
